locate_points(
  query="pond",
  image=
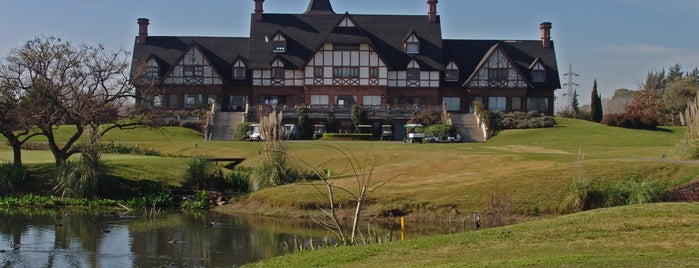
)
(84, 238)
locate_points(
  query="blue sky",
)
(616, 42)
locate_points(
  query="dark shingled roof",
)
(320, 7)
(306, 33)
(467, 54)
(221, 52)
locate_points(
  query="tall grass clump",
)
(239, 179)
(579, 190)
(688, 147)
(197, 173)
(11, 178)
(642, 192)
(81, 178)
(275, 168)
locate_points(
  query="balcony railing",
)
(340, 111)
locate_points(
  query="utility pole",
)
(570, 84)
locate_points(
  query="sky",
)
(616, 42)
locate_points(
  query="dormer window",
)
(538, 73)
(152, 69)
(152, 72)
(279, 43)
(412, 44)
(451, 74)
(239, 70)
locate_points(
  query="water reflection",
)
(85, 238)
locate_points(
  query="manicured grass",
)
(655, 235)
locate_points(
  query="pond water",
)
(83, 238)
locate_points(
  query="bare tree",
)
(362, 172)
(74, 86)
(14, 125)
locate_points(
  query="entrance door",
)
(237, 102)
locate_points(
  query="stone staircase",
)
(467, 125)
(224, 125)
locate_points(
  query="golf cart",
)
(254, 133)
(412, 135)
(318, 132)
(386, 132)
(290, 132)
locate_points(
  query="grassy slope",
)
(655, 235)
(530, 168)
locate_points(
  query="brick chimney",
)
(258, 9)
(142, 30)
(545, 34)
(432, 10)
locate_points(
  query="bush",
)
(519, 120)
(632, 121)
(195, 125)
(81, 178)
(239, 180)
(241, 131)
(426, 117)
(196, 176)
(439, 130)
(347, 136)
(11, 178)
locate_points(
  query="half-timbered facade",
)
(321, 58)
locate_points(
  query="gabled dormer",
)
(411, 43)
(193, 67)
(346, 22)
(538, 71)
(152, 69)
(451, 73)
(279, 43)
(240, 69)
(496, 70)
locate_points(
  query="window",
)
(173, 100)
(412, 48)
(338, 47)
(277, 73)
(317, 72)
(239, 73)
(346, 72)
(192, 101)
(413, 74)
(373, 72)
(497, 74)
(452, 72)
(452, 103)
(413, 100)
(279, 46)
(152, 72)
(516, 103)
(538, 72)
(319, 100)
(451, 75)
(538, 76)
(192, 71)
(497, 103)
(371, 100)
(538, 104)
(157, 101)
(345, 100)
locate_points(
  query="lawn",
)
(654, 235)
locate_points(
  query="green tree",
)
(359, 116)
(596, 104)
(677, 93)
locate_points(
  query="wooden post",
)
(402, 228)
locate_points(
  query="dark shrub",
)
(195, 125)
(239, 180)
(426, 117)
(11, 178)
(440, 130)
(241, 131)
(630, 121)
